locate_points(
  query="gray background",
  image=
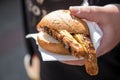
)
(12, 47)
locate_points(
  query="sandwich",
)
(63, 33)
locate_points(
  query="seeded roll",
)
(63, 33)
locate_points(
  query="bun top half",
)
(63, 20)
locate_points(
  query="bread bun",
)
(50, 44)
(62, 19)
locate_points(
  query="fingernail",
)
(74, 9)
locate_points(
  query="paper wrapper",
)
(95, 33)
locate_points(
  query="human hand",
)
(108, 18)
(33, 70)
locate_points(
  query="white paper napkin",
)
(96, 35)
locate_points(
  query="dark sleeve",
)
(103, 2)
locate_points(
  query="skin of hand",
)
(33, 71)
(108, 18)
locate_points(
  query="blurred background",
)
(12, 45)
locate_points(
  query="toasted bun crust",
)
(50, 44)
(62, 19)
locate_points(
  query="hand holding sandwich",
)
(72, 33)
(108, 18)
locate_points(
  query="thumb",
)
(91, 13)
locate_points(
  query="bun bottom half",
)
(50, 44)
